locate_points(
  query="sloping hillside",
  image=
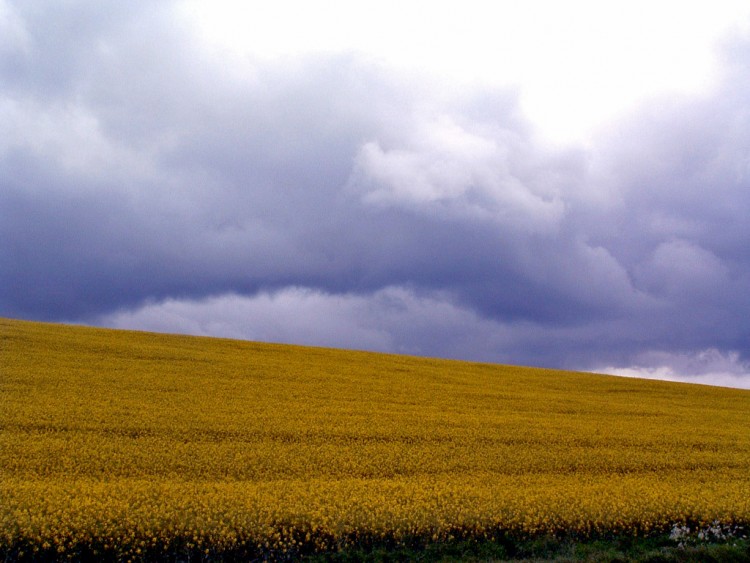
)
(132, 441)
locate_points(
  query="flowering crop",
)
(131, 443)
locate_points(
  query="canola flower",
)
(134, 443)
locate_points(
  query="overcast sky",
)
(558, 184)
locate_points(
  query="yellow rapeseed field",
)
(128, 442)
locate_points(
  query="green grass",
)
(656, 549)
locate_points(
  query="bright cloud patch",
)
(398, 320)
(389, 320)
(710, 367)
(447, 169)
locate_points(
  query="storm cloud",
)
(147, 183)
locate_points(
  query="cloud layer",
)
(331, 200)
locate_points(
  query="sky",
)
(555, 184)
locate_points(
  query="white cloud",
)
(13, 34)
(709, 367)
(70, 136)
(678, 267)
(445, 168)
(393, 319)
(577, 63)
(399, 320)
(298, 315)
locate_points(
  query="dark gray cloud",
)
(329, 200)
